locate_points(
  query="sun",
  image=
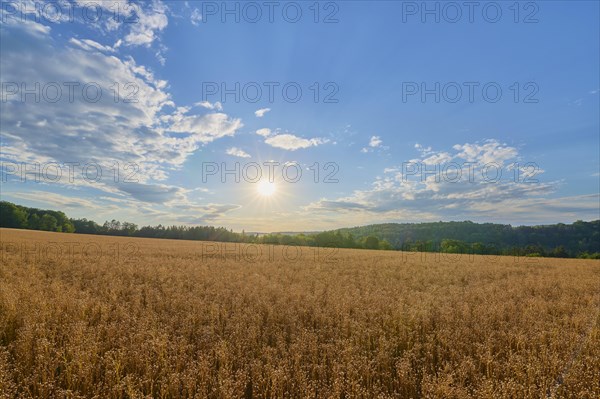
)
(266, 188)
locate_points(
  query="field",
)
(108, 317)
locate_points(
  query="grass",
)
(107, 317)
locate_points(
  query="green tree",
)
(129, 228)
(453, 247)
(48, 223)
(12, 216)
(559, 252)
(33, 222)
(372, 242)
(68, 227)
(385, 245)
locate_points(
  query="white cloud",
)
(288, 141)
(375, 142)
(90, 45)
(488, 152)
(196, 17)
(58, 200)
(437, 158)
(265, 132)
(138, 23)
(261, 112)
(206, 128)
(236, 152)
(206, 214)
(208, 105)
(12, 21)
(134, 23)
(422, 150)
(477, 195)
(292, 143)
(155, 193)
(152, 19)
(150, 131)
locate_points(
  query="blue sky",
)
(370, 133)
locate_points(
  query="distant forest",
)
(577, 240)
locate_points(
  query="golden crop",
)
(107, 317)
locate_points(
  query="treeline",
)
(334, 239)
(580, 239)
(21, 217)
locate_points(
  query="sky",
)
(302, 116)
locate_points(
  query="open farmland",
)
(108, 317)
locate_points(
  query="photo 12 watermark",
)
(71, 252)
(69, 172)
(471, 12)
(271, 171)
(60, 11)
(68, 92)
(270, 92)
(469, 92)
(470, 172)
(266, 253)
(254, 12)
(458, 252)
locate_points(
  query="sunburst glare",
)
(266, 188)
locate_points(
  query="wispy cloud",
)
(208, 105)
(196, 17)
(150, 131)
(261, 112)
(479, 195)
(152, 19)
(58, 200)
(87, 44)
(265, 132)
(288, 141)
(375, 142)
(206, 214)
(236, 152)
(291, 142)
